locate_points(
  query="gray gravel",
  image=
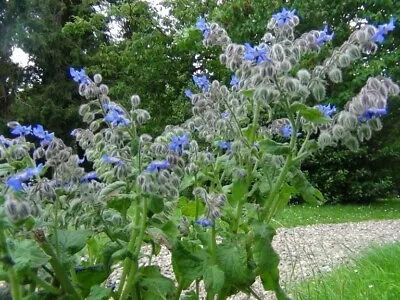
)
(309, 250)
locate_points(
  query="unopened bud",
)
(135, 101)
(97, 78)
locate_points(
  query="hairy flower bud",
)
(38, 153)
(285, 66)
(351, 143)
(318, 90)
(375, 124)
(353, 52)
(304, 76)
(97, 78)
(335, 75)
(84, 109)
(104, 89)
(348, 120)
(325, 139)
(135, 101)
(278, 52)
(364, 132)
(291, 84)
(339, 132)
(142, 116)
(145, 138)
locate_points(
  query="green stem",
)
(61, 275)
(44, 284)
(131, 245)
(56, 204)
(213, 245)
(179, 291)
(136, 253)
(16, 288)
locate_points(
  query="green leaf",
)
(214, 279)
(90, 276)
(248, 93)
(153, 285)
(71, 241)
(99, 293)
(265, 257)
(311, 114)
(156, 204)
(186, 182)
(232, 259)
(188, 264)
(27, 254)
(272, 147)
(239, 189)
(120, 204)
(309, 193)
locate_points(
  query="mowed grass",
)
(374, 275)
(298, 215)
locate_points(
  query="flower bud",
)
(97, 78)
(353, 52)
(364, 132)
(88, 118)
(325, 139)
(145, 139)
(83, 109)
(38, 153)
(375, 124)
(223, 59)
(339, 132)
(335, 75)
(291, 84)
(351, 143)
(12, 209)
(318, 90)
(142, 116)
(104, 89)
(304, 76)
(278, 52)
(135, 101)
(285, 66)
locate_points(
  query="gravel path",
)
(309, 250)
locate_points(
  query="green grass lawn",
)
(297, 215)
(375, 275)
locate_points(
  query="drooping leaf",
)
(90, 276)
(27, 254)
(214, 279)
(112, 189)
(309, 113)
(188, 264)
(99, 293)
(302, 186)
(156, 204)
(153, 285)
(272, 147)
(186, 182)
(71, 241)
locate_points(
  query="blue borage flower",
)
(157, 165)
(89, 177)
(45, 136)
(327, 110)
(80, 160)
(178, 143)
(203, 26)
(4, 141)
(234, 81)
(287, 129)
(204, 222)
(21, 130)
(372, 113)
(284, 16)
(225, 115)
(224, 145)
(112, 160)
(16, 181)
(78, 76)
(201, 82)
(115, 115)
(255, 54)
(188, 93)
(324, 36)
(383, 30)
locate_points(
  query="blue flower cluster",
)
(234, 81)
(203, 26)
(256, 54)
(201, 82)
(327, 110)
(78, 76)
(284, 16)
(204, 222)
(16, 181)
(178, 143)
(324, 36)
(115, 115)
(89, 177)
(38, 131)
(225, 145)
(383, 30)
(112, 160)
(157, 165)
(372, 113)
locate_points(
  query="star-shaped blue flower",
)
(203, 26)
(324, 36)
(256, 54)
(284, 16)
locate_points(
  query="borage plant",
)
(204, 192)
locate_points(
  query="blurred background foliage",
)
(151, 48)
